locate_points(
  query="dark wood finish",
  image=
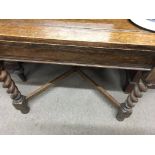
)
(133, 77)
(126, 108)
(19, 101)
(96, 43)
(16, 68)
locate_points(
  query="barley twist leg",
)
(126, 108)
(16, 68)
(19, 101)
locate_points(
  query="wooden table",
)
(91, 43)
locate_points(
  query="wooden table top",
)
(115, 31)
(114, 43)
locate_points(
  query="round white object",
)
(145, 23)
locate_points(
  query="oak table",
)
(89, 43)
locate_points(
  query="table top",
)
(113, 43)
(114, 31)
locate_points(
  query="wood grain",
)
(103, 31)
(97, 43)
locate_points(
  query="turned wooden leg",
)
(19, 101)
(126, 108)
(16, 68)
(132, 77)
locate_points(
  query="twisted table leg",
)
(126, 108)
(16, 68)
(19, 101)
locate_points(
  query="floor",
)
(73, 106)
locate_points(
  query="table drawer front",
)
(75, 55)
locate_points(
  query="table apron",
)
(79, 56)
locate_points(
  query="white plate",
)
(145, 23)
